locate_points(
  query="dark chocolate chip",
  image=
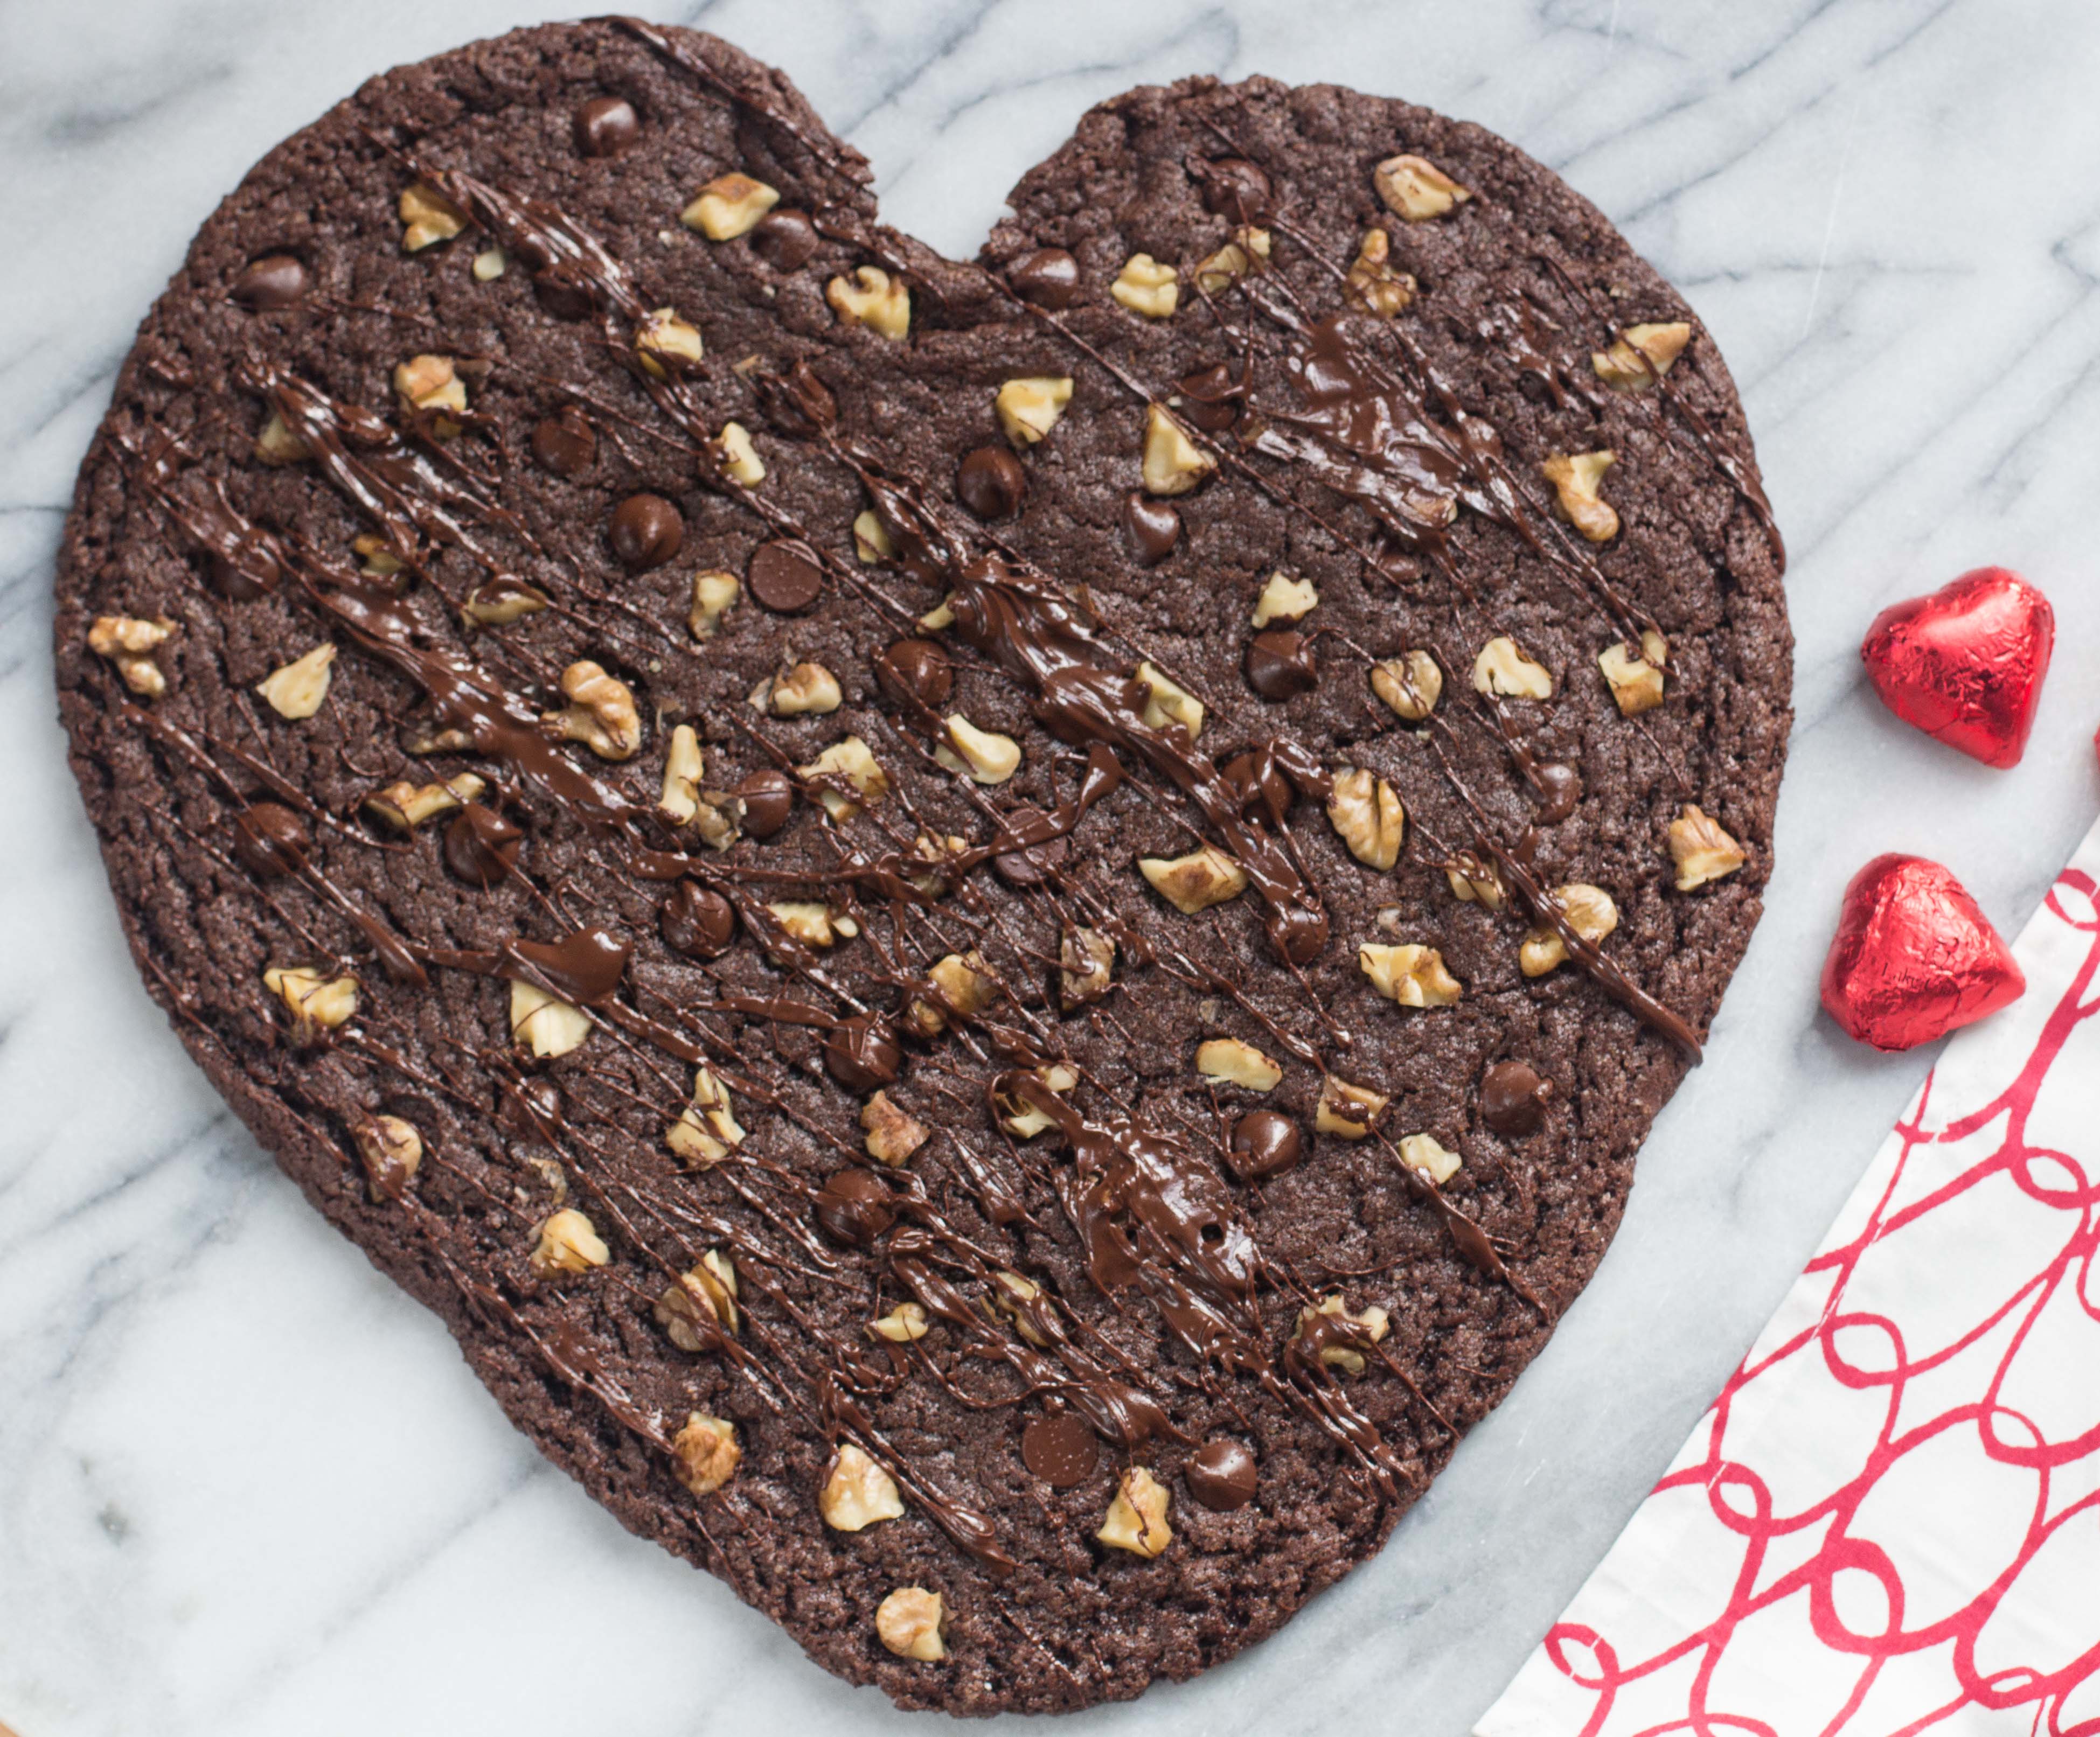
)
(1513, 1098)
(1049, 277)
(1153, 527)
(275, 280)
(1062, 1451)
(768, 797)
(697, 921)
(646, 532)
(481, 846)
(1280, 666)
(991, 483)
(855, 1206)
(1034, 863)
(785, 240)
(915, 672)
(566, 444)
(1235, 188)
(270, 840)
(1560, 789)
(531, 1109)
(1210, 397)
(606, 126)
(784, 577)
(862, 1053)
(1221, 1475)
(1264, 1143)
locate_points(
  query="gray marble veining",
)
(246, 1489)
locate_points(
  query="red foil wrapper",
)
(1913, 957)
(1965, 664)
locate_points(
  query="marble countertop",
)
(247, 1489)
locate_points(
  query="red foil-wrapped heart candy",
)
(1965, 664)
(1913, 958)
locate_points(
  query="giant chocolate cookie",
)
(998, 936)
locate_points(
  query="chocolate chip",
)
(915, 672)
(1513, 1098)
(697, 921)
(991, 483)
(1153, 527)
(1210, 397)
(769, 802)
(270, 840)
(855, 1206)
(646, 532)
(1560, 789)
(784, 577)
(1235, 188)
(863, 1053)
(1049, 277)
(785, 240)
(481, 846)
(565, 443)
(1280, 666)
(605, 126)
(1264, 1143)
(1034, 862)
(246, 570)
(1221, 1475)
(275, 280)
(1062, 1451)
(531, 1109)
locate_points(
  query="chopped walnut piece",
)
(601, 713)
(1634, 676)
(1701, 850)
(849, 761)
(683, 768)
(1576, 477)
(666, 346)
(1504, 668)
(1146, 286)
(1020, 1301)
(1173, 463)
(129, 644)
(912, 1622)
(1588, 911)
(544, 1024)
(700, 1304)
(858, 1492)
(1425, 1154)
(569, 1242)
(729, 206)
(962, 986)
(805, 688)
(498, 603)
(1373, 284)
(404, 806)
(714, 594)
(737, 457)
(276, 444)
(427, 217)
(892, 1134)
(296, 690)
(1167, 702)
(905, 1324)
(392, 1150)
(1474, 882)
(489, 264)
(1237, 1063)
(938, 855)
(1284, 599)
(1029, 408)
(316, 1003)
(1347, 1110)
(1410, 974)
(986, 756)
(1409, 684)
(873, 298)
(1248, 251)
(1136, 1519)
(1366, 814)
(1203, 878)
(706, 1451)
(1372, 1323)
(1415, 189)
(1641, 356)
(806, 920)
(431, 383)
(1025, 1120)
(872, 542)
(1086, 960)
(706, 1131)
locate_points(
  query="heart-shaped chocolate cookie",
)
(997, 935)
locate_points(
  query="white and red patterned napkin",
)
(1890, 1520)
